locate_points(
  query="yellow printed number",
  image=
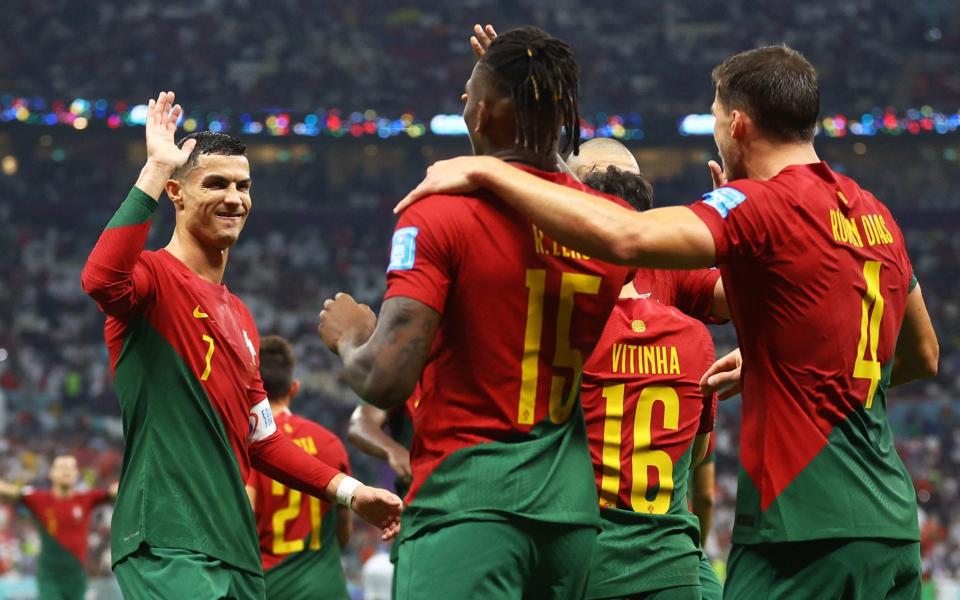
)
(564, 356)
(206, 371)
(871, 313)
(643, 456)
(291, 511)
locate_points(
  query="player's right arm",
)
(918, 351)
(113, 275)
(671, 237)
(366, 433)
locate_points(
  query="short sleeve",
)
(424, 251)
(694, 293)
(740, 220)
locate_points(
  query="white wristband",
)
(345, 489)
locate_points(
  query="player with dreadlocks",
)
(494, 320)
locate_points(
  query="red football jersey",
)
(643, 405)
(211, 329)
(816, 275)
(67, 520)
(287, 521)
(689, 290)
(520, 315)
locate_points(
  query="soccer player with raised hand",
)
(184, 355)
(62, 515)
(494, 320)
(828, 315)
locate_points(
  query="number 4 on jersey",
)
(871, 312)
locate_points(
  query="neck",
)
(62, 491)
(528, 157)
(279, 406)
(766, 159)
(208, 263)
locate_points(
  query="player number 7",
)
(564, 356)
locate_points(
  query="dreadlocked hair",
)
(537, 71)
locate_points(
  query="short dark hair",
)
(209, 142)
(632, 187)
(539, 74)
(776, 86)
(276, 365)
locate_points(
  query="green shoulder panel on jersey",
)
(181, 485)
(56, 562)
(839, 494)
(311, 573)
(639, 552)
(136, 209)
(544, 476)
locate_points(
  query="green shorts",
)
(849, 569)
(306, 576)
(174, 574)
(710, 586)
(68, 587)
(480, 560)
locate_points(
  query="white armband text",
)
(261, 421)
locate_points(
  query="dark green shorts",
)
(174, 574)
(852, 569)
(61, 588)
(480, 560)
(710, 586)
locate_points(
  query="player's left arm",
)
(701, 444)
(670, 237)
(382, 358)
(918, 351)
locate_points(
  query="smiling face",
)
(212, 199)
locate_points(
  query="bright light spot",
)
(697, 124)
(138, 115)
(189, 125)
(9, 166)
(80, 123)
(4, 354)
(447, 125)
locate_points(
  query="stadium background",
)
(342, 106)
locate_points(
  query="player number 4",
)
(871, 312)
(564, 356)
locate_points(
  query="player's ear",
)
(738, 124)
(174, 191)
(294, 389)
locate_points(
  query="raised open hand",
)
(482, 38)
(162, 116)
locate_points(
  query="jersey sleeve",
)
(115, 275)
(741, 220)
(694, 293)
(96, 497)
(33, 500)
(425, 250)
(256, 393)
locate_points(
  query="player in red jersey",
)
(184, 355)
(63, 516)
(300, 536)
(828, 315)
(502, 503)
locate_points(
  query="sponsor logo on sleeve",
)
(724, 199)
(404, 250)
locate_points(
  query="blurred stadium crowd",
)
(321, 222)
(652, 56)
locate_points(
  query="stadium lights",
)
(81, 114)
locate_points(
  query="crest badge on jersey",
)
(724, 199)
(404, 249)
